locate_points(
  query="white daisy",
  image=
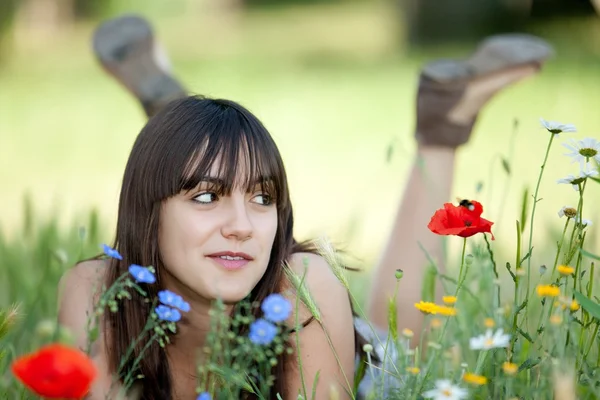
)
(556, 127)
(570, 211)
(445, 390)
(490, 340)
(583, 150)
(586, 172)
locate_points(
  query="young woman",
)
(205, 182)
(204, 178)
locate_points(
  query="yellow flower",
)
(574, 306)
(548, 290)
(510, 368)
(475, 379)
(556, 319)
(436, 323)
(447, 311)
(413, 370)
(489, 323)
(407, 333)
(565, 269)
(449, 300)
(426, 307)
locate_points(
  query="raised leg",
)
(450, 96)
(126, 48)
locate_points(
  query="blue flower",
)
(276, 308)
(109, 251)
(204, 396)
(141, 274)
(262, 332)
(171, 299)
(167, 313)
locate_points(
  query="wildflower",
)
(413, 370)
(445, 390)
(167, 313)
(489, 323)
(436, 323)
(407, 333)
(586, 172)
(510, 368)
(426, 307)
(276, 308)
(461, 220)
(556, 127)
(490, 340)
(565, 270)
(56, 371)
(548, 290)
(568, 211)
(447, 311)
(583, 150)
(141, 274)
(111, 252)
(574, 305)
(556, 320)
(475, 379)
(262, 332)
(449, 300)
(174, 300)
(204, 396)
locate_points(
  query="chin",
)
(230, 295)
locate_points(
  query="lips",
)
(230, 260)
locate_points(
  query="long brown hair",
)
(174, 152)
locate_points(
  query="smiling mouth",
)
(231, 261)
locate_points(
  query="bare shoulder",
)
(327, 345)
(77, 294)
(319, 276)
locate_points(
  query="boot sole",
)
(494, 54)
(126, 48)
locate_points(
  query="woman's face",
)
(216, 246)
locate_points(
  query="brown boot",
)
(451, 92)
(126, 48)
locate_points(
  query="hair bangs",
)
(235, 152)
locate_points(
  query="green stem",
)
(480, 360)
(495, 268)
(562, 239)
(461, 278)
(516, 293)
(535, 201)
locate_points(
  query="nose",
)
(238, 224)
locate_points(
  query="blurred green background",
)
(335, 83)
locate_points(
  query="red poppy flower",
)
(56, 372)
(463, 220)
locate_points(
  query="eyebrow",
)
(221, 182)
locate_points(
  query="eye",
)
(205, 198)
(263, 199)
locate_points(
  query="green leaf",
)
(525, 335)
(506, 166)
(588, 254)
(314, 388)
(529, 363)
(360, 373)
(524, 205)
(588, 305)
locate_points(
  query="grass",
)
(332, 84)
